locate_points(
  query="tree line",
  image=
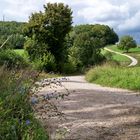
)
(54, 44)
(51, 37)
(15, 29)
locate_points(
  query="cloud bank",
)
(123, 16)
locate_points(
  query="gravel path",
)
(92, 112)
(134, 61)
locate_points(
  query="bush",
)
(68, 68)
(12, 60)
(35, 49)
(17, 120)
(45, 63)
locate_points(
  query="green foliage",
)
(114, 76)
(69, 68)
(14, 29)
(86, 41)
(21, 52)
(17, 120)
(127, 42)
(88, 48)
(45, 63)
(102, 32)
(50, 27)
(105, 33)
(12, 60)
(35, 49)
(73, 58)
(16, 41)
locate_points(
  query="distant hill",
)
(12, 28)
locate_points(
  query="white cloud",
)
(122, 15)
(20, 9)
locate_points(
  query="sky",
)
(121, 15)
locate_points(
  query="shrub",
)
(17, 120)
(68, 68)
(45, 63)
(12, 60)
(35, 49)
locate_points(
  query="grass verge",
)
(119, 77)
(122, 60)
(134, 52)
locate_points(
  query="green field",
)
(115, 76)
(123, 60)
(134, 52)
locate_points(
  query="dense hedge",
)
(12, 60)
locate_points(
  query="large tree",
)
(88, 48)
(50, 27)
(103, 32)
(87, 41)
(127, 42)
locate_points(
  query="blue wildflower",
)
(28, 122)
(34, 100)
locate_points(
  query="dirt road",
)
(134, 60)
(92, 112)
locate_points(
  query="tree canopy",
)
(86, 42)
(103, 32)
(15, 29)
(50, 27)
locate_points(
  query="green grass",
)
(134, 52)
(122, 60)
(20, 51)
(120, 77)
(114, 48)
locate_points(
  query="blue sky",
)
(122, 15)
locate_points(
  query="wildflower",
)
(28, 122)
(34, 100)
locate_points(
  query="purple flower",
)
(28, 122)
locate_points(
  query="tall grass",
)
(17, 120)
(115, 76)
